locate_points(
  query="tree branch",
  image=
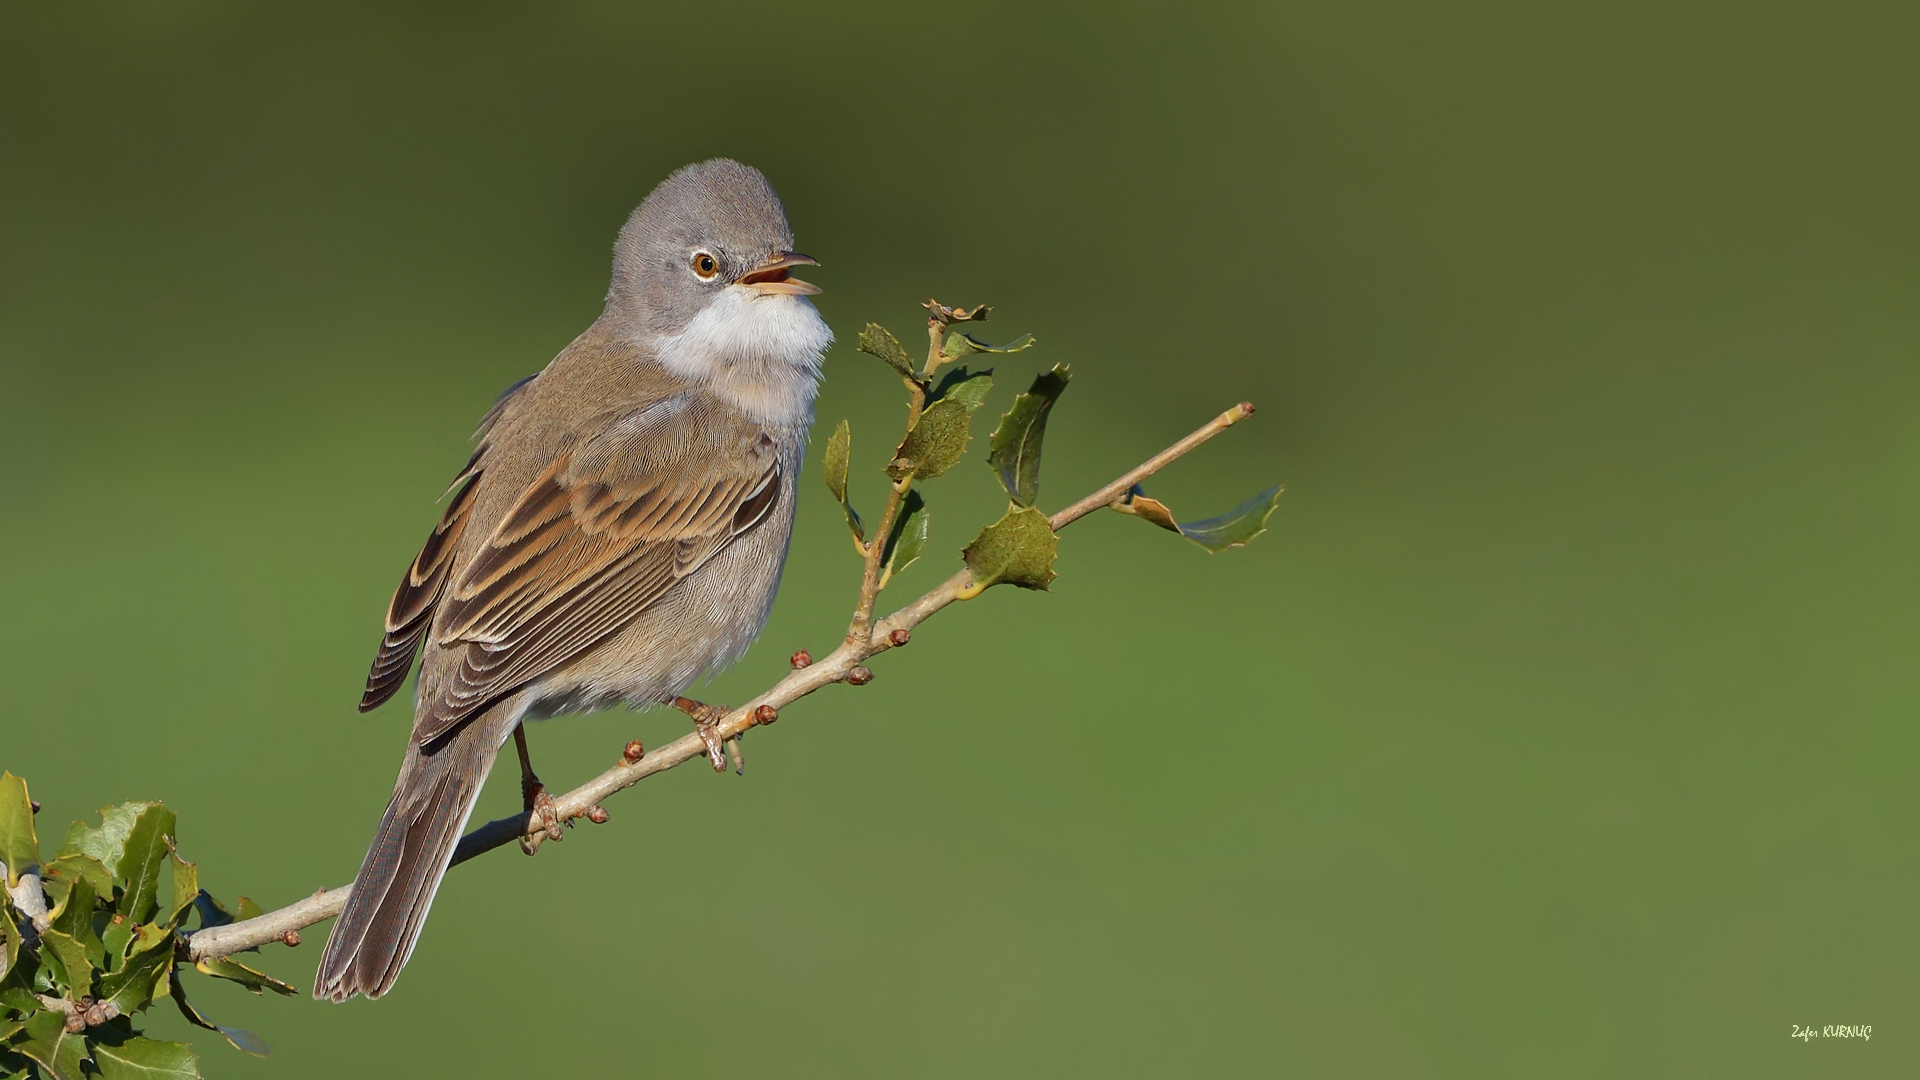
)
(891, 632)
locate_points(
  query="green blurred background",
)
(1563, 724)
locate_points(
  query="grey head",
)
(708, 227)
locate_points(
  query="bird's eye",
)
(705, 265)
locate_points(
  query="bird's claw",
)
(542, 808)
(706, 724)
(709, 732)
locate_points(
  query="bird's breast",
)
(760, 353)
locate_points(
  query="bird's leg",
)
(534, 793)
(706, 721)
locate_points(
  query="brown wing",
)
(410, 611)
(602, 534)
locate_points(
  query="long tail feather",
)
(431, 802)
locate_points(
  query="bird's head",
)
(713, 232)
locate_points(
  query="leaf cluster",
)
(1021, 548)
(112, 943)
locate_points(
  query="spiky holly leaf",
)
(75, 919)
(69, 867)
(937, 442)
(67, 961)
(19, 847)
(48, 1042)
(1014, 449)
(143, 976)
(186, 887)
(235, 971)
(1232, 529)
(908, 537)
(1019, 549)
(145, 851)
(136, 1057)
(876, 341)
(107, 840)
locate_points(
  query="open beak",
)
(771, 277)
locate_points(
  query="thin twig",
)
(220, 941)
(1111, 494)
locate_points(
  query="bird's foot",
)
(706, 724)
(541, 805)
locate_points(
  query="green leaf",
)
(1231, 529)
(186, 887)
(235, 971)
(839, 452)
(143, 977)
(19, 847)
(9, 937)
(908, 538)
(144, 853)
(839, 448)
(23, 965)
(937, 442)
(958, 345)
(1019, 549)
(959, 384)
(107, 840)
(140, 1058)
(241, 1038)
(116, 939)
(50, 1046)
(244, 908)
(876, 341)
(1014, 450)
(75, 918)
(70, 868)
(71, 968)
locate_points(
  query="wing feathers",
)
(599, 536)
(411, 610)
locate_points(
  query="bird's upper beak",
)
(771, 278)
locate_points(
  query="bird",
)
(617, 534)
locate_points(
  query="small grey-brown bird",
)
(618, 533)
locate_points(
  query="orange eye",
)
(705, 265)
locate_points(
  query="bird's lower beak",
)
(771, 277)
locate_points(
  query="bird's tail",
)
(375, 935)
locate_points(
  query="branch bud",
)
(860, 676)
(597, 814)
(900, 637)
(801, 659)
(290, 939)
(765, 714)
(633, 753)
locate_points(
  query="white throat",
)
(761, 352)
